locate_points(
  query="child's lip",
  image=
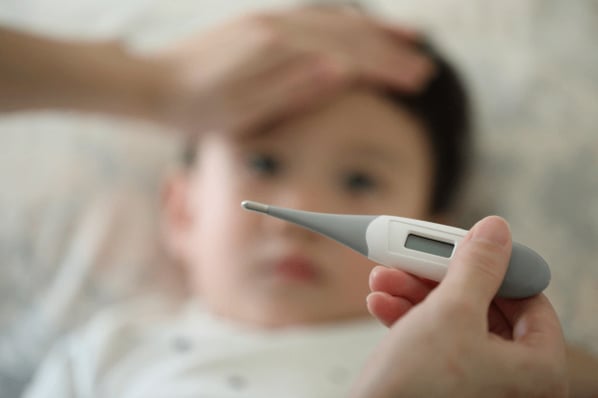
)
(296, 268)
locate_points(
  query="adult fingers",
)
(400, 66)
(398, 283)
(295, 86)
(360, 42)
(534, 321)
(479, 265)
(404, 66)
(399, 32)
(388, 309)
(538, 342)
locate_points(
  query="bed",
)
(79, 225)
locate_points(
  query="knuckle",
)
(486, 259)
(454, 308)
(312, 68)
(264, 19)
(264, 26)
(459, 308)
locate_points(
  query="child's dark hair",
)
(444, 111)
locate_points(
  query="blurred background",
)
(79, 199)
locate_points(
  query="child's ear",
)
(177, 219)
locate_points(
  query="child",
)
(277, 310)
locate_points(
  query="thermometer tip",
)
(255, 206)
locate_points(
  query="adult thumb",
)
(480, 262)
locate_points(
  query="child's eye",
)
(359, 181)
(264, 164)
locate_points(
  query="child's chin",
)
(290, 316)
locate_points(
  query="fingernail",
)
(332, 70)
(368, 298)
(418, 75)
(492, 229)
(425, 70)
(373, 273)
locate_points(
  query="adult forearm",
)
(42, 73)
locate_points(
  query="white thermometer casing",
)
(386, 237)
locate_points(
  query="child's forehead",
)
(360, 118)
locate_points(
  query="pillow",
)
(80, 227)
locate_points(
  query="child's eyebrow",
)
(257, 138)
(383, 155)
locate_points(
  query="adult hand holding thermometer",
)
(419, 247)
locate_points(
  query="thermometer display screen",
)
(430, 246)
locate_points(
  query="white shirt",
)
(138, 351)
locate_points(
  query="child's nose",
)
(307, 196)
(307, 200)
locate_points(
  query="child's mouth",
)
(296, 268)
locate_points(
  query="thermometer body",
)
(421, 248)
(418, 247)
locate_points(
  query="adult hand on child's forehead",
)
(456, 339)
(262, 68)
(243, 75)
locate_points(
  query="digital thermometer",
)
(419, 247)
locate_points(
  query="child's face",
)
(360, 154)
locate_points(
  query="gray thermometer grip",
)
(527, 275)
